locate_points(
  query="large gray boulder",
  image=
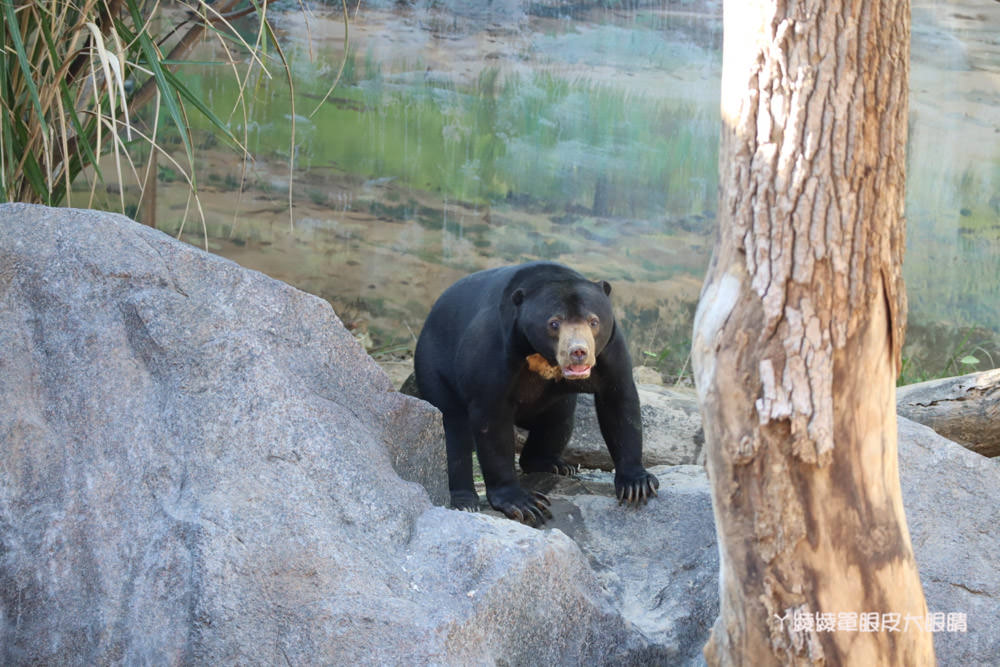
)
(198, 464)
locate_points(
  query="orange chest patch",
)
(538, 365)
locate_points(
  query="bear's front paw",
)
(635, 488)
(467, 501)
(530, 508)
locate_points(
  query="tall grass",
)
(82, 79)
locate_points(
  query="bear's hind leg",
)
(548, 434)
(460, 443)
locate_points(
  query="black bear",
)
(514, 345)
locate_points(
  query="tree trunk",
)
(797, 339)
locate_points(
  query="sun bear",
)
(513, 346)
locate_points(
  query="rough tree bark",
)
(798, 335)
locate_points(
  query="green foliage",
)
(971, 354)
(968, 356)
(317, 196)
(76, 75)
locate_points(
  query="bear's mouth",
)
(576, 371)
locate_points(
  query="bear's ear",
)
(604, 285)
(517, 297)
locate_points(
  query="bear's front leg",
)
(494, 434)
(620, 419)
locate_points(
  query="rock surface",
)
(660, 562)
(950, 495)
(196, 466)
(647, 375)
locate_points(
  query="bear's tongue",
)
(578, 369)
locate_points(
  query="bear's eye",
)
(594, 322)
(554, 324)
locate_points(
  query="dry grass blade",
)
(343, 63)
(75, 77)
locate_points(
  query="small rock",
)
(671, 424)
(646, 375)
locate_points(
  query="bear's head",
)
(566, 322)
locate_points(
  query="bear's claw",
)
(554, 465)
(466, 501)
(565, 469)
(529, 508)
(636, 491)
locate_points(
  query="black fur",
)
(470, 363)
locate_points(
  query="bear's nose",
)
(578, 353)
